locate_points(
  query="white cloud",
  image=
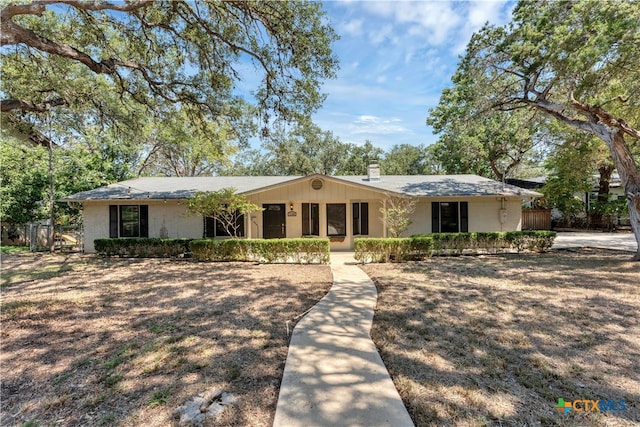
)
(431, 19)
(366, 119)
(477, 14)
(352, 27)
(378, 35)
(369, 124)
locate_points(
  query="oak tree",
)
(575, 62)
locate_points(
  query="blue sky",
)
(395, 59)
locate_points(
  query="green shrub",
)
(262, 250)
(382, 249)
(142, 247)
(392, 249)
(421, 247)
(426, 245)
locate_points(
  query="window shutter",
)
(435, 217)
(464, 217)
(306, 227)
(364, 218)
(113, 221)
(144, 220)
(355, 210)
(315, 219)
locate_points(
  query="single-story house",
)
(339, 207)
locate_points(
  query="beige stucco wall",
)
(484, 214)
(165, 220)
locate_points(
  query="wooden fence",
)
(536, 219)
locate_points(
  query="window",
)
(449, 217)
(128, 221)
(360, 218)
(310, 219)
(215, 228)
(336, 219)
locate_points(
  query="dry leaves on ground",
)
(496, 340)
(92, 341)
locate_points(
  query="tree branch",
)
(19, 104)
(604, 116)
(12, 33)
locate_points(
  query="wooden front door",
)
(274, 221)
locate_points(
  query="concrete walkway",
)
(334, 375)
(617, 241)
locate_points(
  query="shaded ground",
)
(496, 340)
(91, 341)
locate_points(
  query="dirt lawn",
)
(91, 341)
(497, 340)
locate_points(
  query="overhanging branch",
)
(22, 105)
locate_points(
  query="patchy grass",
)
(13, 249)
(496, 340)
(92, 341)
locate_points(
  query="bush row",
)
(270, 251)
(302, 250)
(142, 247)
(423, 246)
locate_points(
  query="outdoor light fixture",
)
(291, 206)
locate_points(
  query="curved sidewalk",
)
(334, 375)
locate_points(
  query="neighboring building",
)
(616, 192)
(339, 207)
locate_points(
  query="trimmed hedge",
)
(426, 245)
(306, 251)
(392, 249)
(142, 247)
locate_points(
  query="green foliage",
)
(560, 193)
(573, 62)
(142, 247)
(405, 159)
(423, 246)
(13, 249)
(303, 149)
(396, 213)
(304, 250)
(25, 179)
(158, 398)
(358, 157)
(573, 164)
(387, 249)
(169, 53)
(489, 144)
(181, 144)
(225, 206)
(24, 183)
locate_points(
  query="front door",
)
(274, 221)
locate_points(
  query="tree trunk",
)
(52, 204)
(597, 216)
(630, 177)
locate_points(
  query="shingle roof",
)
(442, 185)
(413, 185)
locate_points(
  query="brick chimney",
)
(373, 172)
